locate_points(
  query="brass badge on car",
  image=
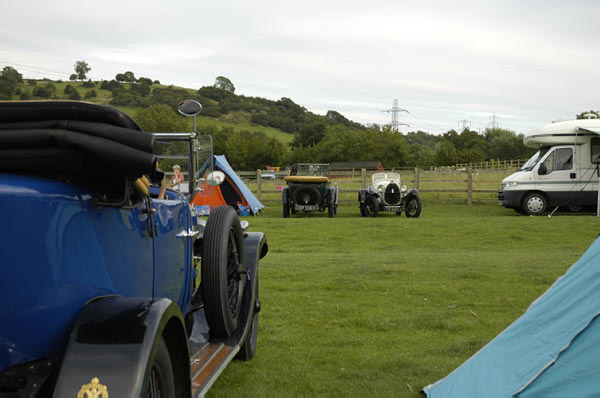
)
(93, 390)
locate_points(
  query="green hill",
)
(280, 119)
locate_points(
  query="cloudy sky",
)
(527, 62)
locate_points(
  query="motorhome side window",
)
(595, 145)
(560, 159)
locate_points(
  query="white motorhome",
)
(563, 172)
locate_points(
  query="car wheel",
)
(161, 383)
(575, 207)
(413, 207)
(371, 206)
(286, 203)
(222, 262)
(248, 349)
(331, 210)
(534, 204)
(286, 210)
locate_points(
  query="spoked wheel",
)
(161, 383)
(371, 206)
(222, 267)
(413, 207)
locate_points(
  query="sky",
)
(448, 63)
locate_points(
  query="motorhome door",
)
(556, 175)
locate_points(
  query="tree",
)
(73, 77)
(310, 135)
(74, 95)
(69, 89)
(589, 115)
(42, 92)
(11, 74)
(9, 78)
(6, 89)
(82, 69)
(446, 154)
(142, 89)
(160, 118)
(129, 77)
(224, 83)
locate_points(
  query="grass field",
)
(357, 306)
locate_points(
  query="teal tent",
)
(552, 350)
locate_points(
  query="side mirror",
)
(215, 178)
(542, 169)
(189, 108)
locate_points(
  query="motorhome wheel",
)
(535, 203)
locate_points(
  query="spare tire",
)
(222, 262)
(307, 195)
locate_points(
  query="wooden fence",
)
(452, 184)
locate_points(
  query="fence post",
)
(417, 178)
(363, 178)
(469, 187)
(259, 184)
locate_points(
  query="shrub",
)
(69, 89)
(90, 94)
(41, 92)
(25, 95)
(74, 96)
(110, 85)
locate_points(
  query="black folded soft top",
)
(72, 139)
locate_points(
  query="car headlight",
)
(511, 184)
(403, 188)
(380, 188)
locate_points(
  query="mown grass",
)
(356, 306)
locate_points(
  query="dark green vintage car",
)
(309, 190)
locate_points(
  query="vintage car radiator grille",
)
(392, 194)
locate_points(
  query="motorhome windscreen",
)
(595, 150)
(530, 164)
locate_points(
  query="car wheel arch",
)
(114, 322)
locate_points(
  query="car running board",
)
(207, 364)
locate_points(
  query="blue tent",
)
(552, 350)
(227, 191)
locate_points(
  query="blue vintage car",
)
(107, 287)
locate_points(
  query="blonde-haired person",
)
(177, 176)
